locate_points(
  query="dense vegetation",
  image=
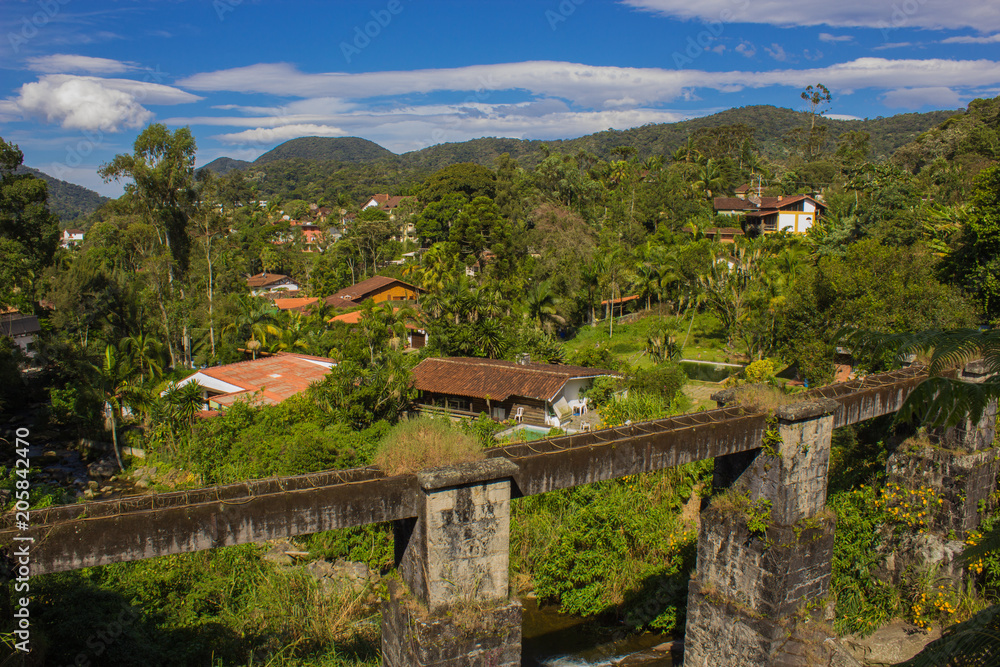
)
(522, 251)
(68, 201)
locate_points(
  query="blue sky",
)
(79, 80)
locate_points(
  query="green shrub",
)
(665, 379)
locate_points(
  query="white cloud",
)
(92, 103)
(271, 135)
(842, 116)
(833, 39)
(989, 39)
(891, 45)
(745, 48)
(589, 86)
(882, 14)
(940, 97)
(82, 104)
(61, 63)
(777, 52)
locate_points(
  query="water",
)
(552, 639)
(709, 372)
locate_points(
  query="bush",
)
(425, 443)
(760, 372)
(664, 380)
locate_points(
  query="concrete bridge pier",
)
(765, 547)
(959, 464)
(452, 604)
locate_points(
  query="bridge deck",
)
(96, 533)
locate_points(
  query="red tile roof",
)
(277, 377)
(295, 303)
(495, 378)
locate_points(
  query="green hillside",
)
(67, 200)
(309, 167)
(224, 165)
(341, 149)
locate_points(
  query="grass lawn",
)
(706, 341)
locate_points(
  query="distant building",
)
(263, 283)
(264, 381)
(794, 213)
(390, 205)
(71, 237)
(378, 288)
(532, 393)
(23, 329)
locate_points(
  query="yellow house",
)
(378, 288)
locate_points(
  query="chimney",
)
(780, 197)
(523, 359)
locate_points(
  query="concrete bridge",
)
(451, 525)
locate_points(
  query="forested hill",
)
(67, 200)
(224, 165)
(341, 149)
(770, 126)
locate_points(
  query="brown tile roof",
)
(731, 204)
(265, 279)
(766, 203)
(355, 294)
(743, 188)
(496, 378)
(277, 377)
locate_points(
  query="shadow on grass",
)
(75, 622)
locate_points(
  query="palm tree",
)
(255, 316)
(147, 352)
(118, 388)
(541, 304)
(709, 179)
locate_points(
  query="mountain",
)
(341, 149)
(224, 165)
(69, 201)
(310, 167)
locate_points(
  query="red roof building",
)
(263, 381)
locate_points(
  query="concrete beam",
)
(98, 533)
(562, 463)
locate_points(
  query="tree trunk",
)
(114, 439)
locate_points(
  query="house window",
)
(499, 414)
(458, 403)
